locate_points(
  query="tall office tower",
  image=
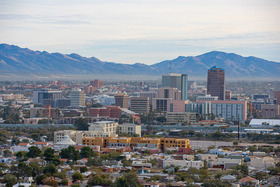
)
(77, 97)
(45, 95)
(216, 82)
(121, 99)
(228, 95)
(277, 96)
(97, 83)
(140, 105)
(179, 81)
(184, 87)
(167, 92)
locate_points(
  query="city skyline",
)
(145, 32)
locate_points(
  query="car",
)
(275, 182)
(264, 182)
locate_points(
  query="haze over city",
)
(143, 31)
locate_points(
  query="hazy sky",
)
(144, 31)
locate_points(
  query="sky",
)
(143, 31)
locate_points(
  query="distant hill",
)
(17, 61)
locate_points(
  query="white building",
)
(264, 122)
(262, 162)
(183, 163)
(104, 127)
(64, 143)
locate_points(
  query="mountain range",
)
(22, 61)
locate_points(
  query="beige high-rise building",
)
(140, 105)
(77, 97)
(172, 93)
(121, 99)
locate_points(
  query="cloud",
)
(143, 31)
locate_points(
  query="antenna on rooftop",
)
(170, 67)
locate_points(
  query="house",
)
(7, 160)
(154, 184)
(41, 144)
(228, 178)
(20, 147)
(247, 180)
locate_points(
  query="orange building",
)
(160, 143)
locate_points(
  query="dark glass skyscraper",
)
(216, 82)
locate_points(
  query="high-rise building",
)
(140, 104)
(228, 95)
(277, 96)
(97, 83)
(167, 92)
(77, 97)
(40, 95)
(121, 99)
(179, 81)
(150, 94)
(216, 82)
(184, 87)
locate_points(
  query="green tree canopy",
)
(49, 154)
(77, 176)
(87, 152)
(81, 124)
(50, 169)
(10, 180)
(33, 152)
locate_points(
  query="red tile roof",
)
(23, 144)
(247, 179)
(41, 143)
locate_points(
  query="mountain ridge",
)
(16, 60)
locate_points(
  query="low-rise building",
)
(262, 162)
(180, 117)
(182, 163)
(130, 129)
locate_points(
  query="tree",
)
(10, 180)
(81, 124)
(252, 148)
(49, 154)
(77, 176)
(7, 153)
(55, 161)
(87, 152)
(33, 152)
(243, 169)
(94, 162)
(260, 175)
(36, 169)
(20, 155)
(129, 179)
(70, 153)
(83, 169)
(100, 180)
(21, 170)
(50, 169)
(64, 182)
